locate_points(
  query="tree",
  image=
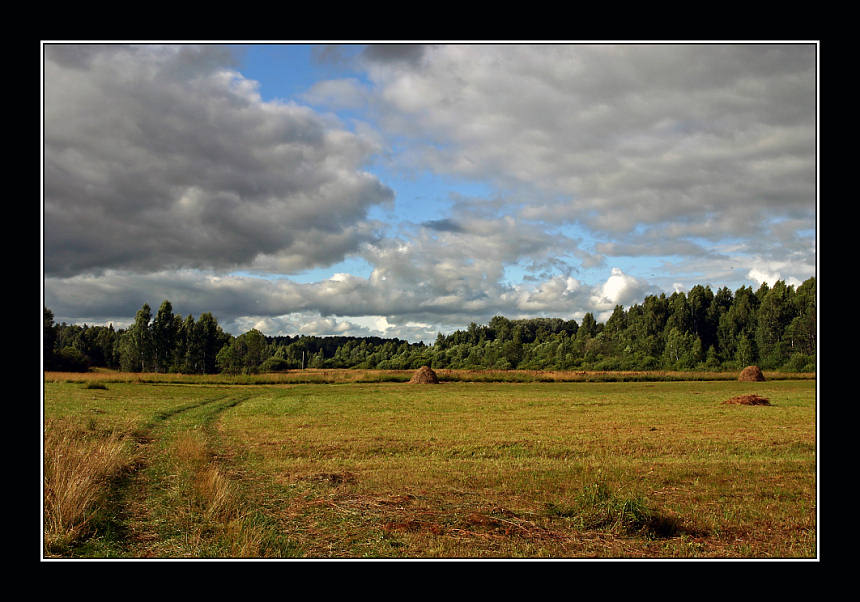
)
(737, 323)
(49, 337)
(677, 347)
(801, 332)
(774, 315)
(136, 350)
(700, 299)
(746, 352)
(164, 333)
(243, 354)
(209, 339)
(183, 359)
(679, 316)
(588, 328)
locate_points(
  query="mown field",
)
(136, 468)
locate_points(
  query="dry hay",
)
(424, 376)
(751, 374)
(748, 400)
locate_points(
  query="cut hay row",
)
(748, 400)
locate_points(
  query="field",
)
(158, 466)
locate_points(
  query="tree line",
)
(773, 327)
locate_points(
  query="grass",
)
(462, 469)
(100, 376)
(78, 467)
(597, 507)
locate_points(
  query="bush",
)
(800, 362)
(72, 360)
(274, 364)
(610, 364)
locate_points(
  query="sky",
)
(401, 190)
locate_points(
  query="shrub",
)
(274, 364)
(70, 359)
(800, 362)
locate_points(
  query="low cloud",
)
(344, 304)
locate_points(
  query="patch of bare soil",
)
(334, 478)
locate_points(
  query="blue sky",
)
(402, 190)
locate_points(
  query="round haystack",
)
(424, 376)
(751, 374)
(748, 400)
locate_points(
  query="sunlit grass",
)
(78, 466)
(333, 376)
(387, 469)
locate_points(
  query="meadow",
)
(357, 464)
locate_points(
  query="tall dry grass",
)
(211, 488)
(216, 519)
(78, 467)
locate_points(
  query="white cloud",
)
(165, 171)
(346, 305)
(619, 289)
(765, 276)
(683, 140)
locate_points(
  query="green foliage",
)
(244, 354)
(70, 359)
(274, 364)
(773, 327)
(49, 337)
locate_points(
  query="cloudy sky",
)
(401, 190)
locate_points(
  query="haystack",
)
(748, 400)
(424, 376)
(751, 374)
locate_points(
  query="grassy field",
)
(579, 469)
(326, 376)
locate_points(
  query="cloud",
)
(767, 276)
(703, 140)
(397, 303)
(168, 177)
(160, 157)
(619, 289)
(346, 93)
(394, 53)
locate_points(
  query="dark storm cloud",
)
(394, 53)
(159, 157)
(443, 225)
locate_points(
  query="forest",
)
(773, 327)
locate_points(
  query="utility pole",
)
(303, 359)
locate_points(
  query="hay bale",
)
(748, 400)
(424, 376)
(751, 374)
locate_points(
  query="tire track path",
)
(156, 505)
